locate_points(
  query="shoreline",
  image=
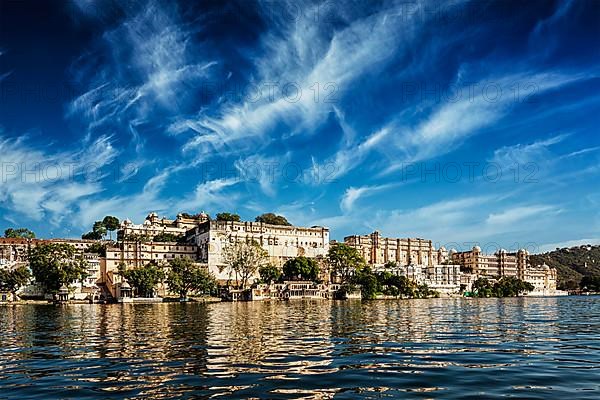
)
(217, 300)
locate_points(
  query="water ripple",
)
(440, 348)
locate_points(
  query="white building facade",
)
(280, 242)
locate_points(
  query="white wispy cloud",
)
(156, 197)
(303, 53)
(209, 194)
(526, 153)
(517, 216)
(154, 67)
(353, 194)
(449, 125)
(38, 183)
(352, 152)
(264, 170)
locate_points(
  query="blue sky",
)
(460, 122)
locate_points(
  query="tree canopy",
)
(243, 259)
(111, 224)
(97, 248)
(301, 268)
(273, 219)
(386, 283)
(344, 261)
(56, 264)
(194, 216)
(590, 283)
(225, 216)
(100, 228)
(507, 286)
(572, 264)
(23, 233)
(187, 277)
(13, 279)
(143, 279)
(97, 233)
(269, 273)
(92, 236)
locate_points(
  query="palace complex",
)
(203, 241)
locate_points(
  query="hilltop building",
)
(203, 241)
(281, 242)
(153, 225)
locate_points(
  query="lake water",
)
(537, 348)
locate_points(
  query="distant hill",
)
(571, 263)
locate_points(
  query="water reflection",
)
(438, 348)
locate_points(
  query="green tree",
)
(97, 248)
(243, 259)
(12, 280)
(269, 273)
(186, 277)
(369, 284)
(111, 224)
(396, 285)
(99, 228)
(482, 288)
(423, 291)
(195, 216)
(344, 261)
(143, 279)
(590, 283)
(508, 286)
(273, 219)
(225, 216)
(56, 264)
(20, 233)
(301, 267)
(92, 236)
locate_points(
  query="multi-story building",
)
(378, 250)
(417, 259)
(93, 270)
(13, 252)
(153, 225)
(498, 264)
(281, 242)
(444, 278)
(503, 263)
(137, 254)
(543, 279)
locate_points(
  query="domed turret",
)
(477, 249)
